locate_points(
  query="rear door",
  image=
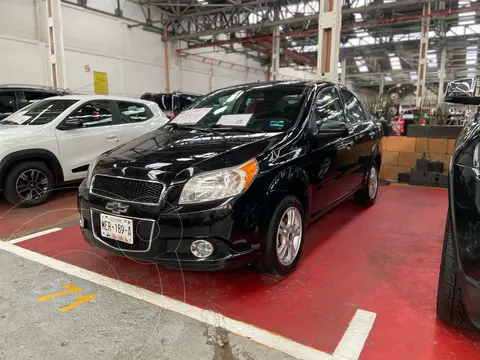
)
(78, 147)
(365, 133)
(135, 119)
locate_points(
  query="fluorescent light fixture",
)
(413, 75)
(388, 78)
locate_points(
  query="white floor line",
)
(253, 333)
(31, 236)
(353, 340)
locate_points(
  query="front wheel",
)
(368, 194)
(285, 238)
(28, 184)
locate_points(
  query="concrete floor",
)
(111, 326)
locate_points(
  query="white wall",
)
(132, 58)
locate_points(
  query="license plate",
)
(117, 228)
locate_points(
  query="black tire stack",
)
(426, 173)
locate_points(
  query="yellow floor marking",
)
(70, 289)
(81, 299)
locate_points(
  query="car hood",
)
(172, 155)
(9, 131)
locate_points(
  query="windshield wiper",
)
(8, 122)
(177, 126)
(235, 128)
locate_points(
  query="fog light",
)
(82, 222)
(201, 248)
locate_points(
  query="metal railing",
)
(29, 86)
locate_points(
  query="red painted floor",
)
(383, 259)
(16, 221)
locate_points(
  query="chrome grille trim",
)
(91, 190)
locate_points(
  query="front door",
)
(332, 159)
(78, 147)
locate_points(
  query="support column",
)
(274, 69)
(165, 55)
(329, 28)
(343, 75)
(382, 86)
(422, 63)
(441, 76)
(55, 42)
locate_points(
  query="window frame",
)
(113, 109)
(117, 110)
(312, 116)
(366, 113)
(16, 98)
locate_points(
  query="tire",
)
(20, 175)
(450, 305)
(364, 196)
(270, 263)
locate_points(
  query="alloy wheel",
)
(32, 184)
(373, 182)
(289, 236)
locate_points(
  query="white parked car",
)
(53, 141)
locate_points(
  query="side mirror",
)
(71, 124)
(331, 129)
(462, 91)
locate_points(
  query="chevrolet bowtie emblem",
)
(116, 207)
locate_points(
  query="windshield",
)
(270, 108)
(39, 113)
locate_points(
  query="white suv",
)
(53, 141)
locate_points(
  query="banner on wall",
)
(100, 82)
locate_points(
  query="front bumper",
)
(173, 233)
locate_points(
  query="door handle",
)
(112, 137)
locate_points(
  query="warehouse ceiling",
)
(380, 38)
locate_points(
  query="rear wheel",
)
(285, 238)
(368, 194)
(28, 184)
(450, 305)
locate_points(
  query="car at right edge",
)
(458, 299)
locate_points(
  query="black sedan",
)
(235, 179)
(458, 300)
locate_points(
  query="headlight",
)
(90, 170)
(219, 184)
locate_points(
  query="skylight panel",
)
(361, 64)
(432, 59)
(395, 62)
(471, 55)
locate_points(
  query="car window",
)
(270, 108)
(7, 103)
(32, 96)
(328, 107)
(353, 107)
(39, 113)
(93, 114)
(133, 112)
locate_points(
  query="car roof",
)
(99, 97)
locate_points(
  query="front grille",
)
(129, 190)
(142, 236)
